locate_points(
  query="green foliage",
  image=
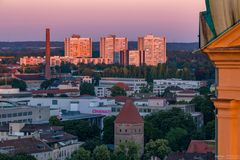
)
(15, 83)
(66, 67)
(91, 144)
(87, 88)
(54, 121)
(108, 130)
(180, 64)
(19, 84)
(101, 153)
(82, 129)
(204, 90)
(81, 154)
(158, 148)
(150, 131)
(178, 139)
(5, 157)
(161, 122)
(47, 83)
(23, 157)
(127, 151)
(210, 130)
(16, 157)
(118, 91)
(204, 105)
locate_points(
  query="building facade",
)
(111, 46)
(134, 84)
(159, 85)
(76, 46)
(154, 48)
(14, 112)
(136, 57)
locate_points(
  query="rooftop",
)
(25, 145)
(201, 146)
(129, 114)
(54, 91)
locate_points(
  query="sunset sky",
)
(25, 20)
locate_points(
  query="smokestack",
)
(47, 66)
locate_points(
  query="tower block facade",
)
(224, 52)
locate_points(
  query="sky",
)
(26, 20)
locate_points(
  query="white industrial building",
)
(159, 85)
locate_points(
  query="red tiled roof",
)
(26, 145)
(54, 91)
(129, 114)
(199, 146)
(122, 85)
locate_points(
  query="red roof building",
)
(129, 114)
(201, 146)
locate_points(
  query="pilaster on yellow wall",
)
(224, 52)
(228, 129)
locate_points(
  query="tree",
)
(128, 151)
(84, 130)
(204, 90)
(210, 130)
(23, 157)
(87, 88)
(47, 83)
(91, 144)
(54, 121)
(204, 105)
(161, 122)
(108, 130)
(150, 131)
(158, 148)
(19, 84)
(178, 139)
(118, 91)
(5, 157)
(81, 154)
(101, 153)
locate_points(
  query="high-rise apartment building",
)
(111, 45)
(76, 46)
(136, 57)
(154, 48)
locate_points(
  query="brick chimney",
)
(47, 66)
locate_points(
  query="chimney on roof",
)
(47, 56)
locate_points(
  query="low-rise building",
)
(41, 141)
(15, 112)
(160, 85)
(57, 60)
(105, 84)
(33, 81)
(186, 95)
(9, 92)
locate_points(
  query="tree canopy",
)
(158, 148)
(118, 91)
(87, 89)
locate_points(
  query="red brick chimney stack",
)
(47, 66)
